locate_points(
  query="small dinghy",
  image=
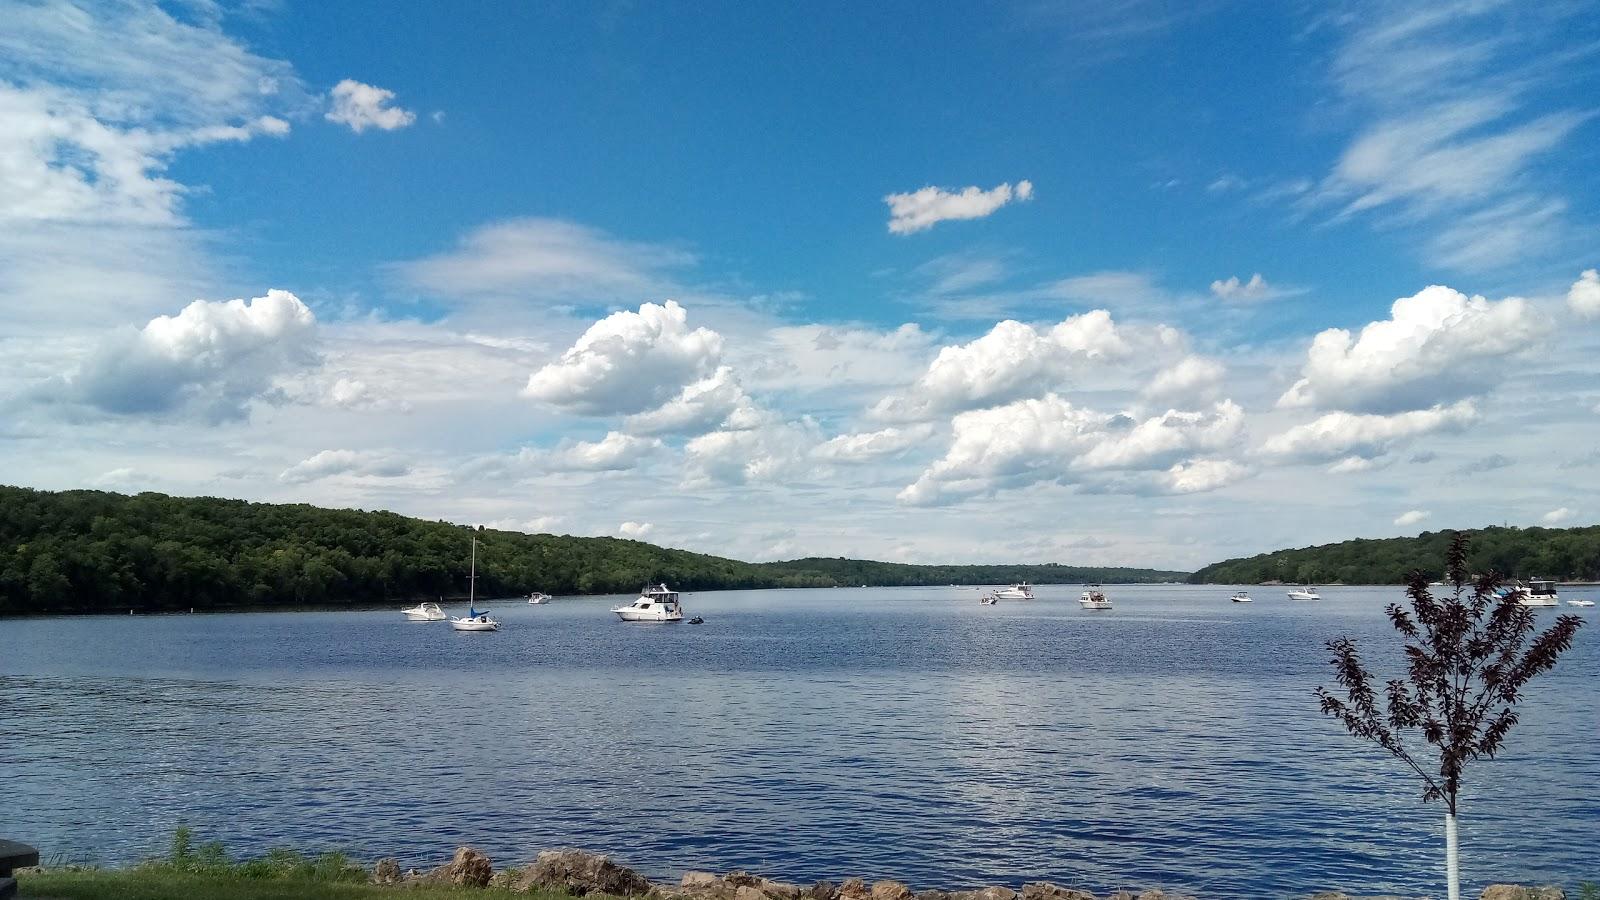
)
(425, 612)
(538, 597)
(1580, 602)
(1242, 597)
(989, 599)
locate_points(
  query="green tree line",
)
(1568, 554)
(93, 551)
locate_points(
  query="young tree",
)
(1468, 656)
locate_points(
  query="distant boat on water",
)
(1537, 592)
(655, 604)
(1241, 597)
(474, 620)
(1305, 593)
(425, 612)
(538, 597)
(1019, 591)
(1094, 598)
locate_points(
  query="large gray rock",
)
(1518, 892)
(854, 889)
(580, 872)
(893, 890)
(739, 878)
(386, 871)
(468, 868)
(693, 881)
(780, 890)
(994, 892)
(1044, 890)
(823, 890)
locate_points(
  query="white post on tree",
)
(1452, 857)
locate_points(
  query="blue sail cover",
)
(473, 612)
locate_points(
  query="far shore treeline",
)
(1563, 554)
(93, 551)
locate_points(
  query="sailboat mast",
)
(472, 577)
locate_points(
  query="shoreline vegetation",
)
(101, 552)
(189, 871)
(91, 552)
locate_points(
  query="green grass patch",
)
(144, 883)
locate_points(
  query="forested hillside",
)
(1571, 554)
(86, 551)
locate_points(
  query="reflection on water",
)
(804, 734)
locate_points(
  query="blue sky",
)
(476, 215)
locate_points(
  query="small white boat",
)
(1306, 593)
(655, 604)
(538, 597)
(1580, 602)
(474, 620)
(1241, 597)
(425, 612)
(989, 599)
(1022, 591)
(1094, 598)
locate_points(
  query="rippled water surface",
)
(804, 734)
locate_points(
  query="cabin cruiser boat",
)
(425, 612)
(1241, 597)
(474, 620)
(1305, 593)
(989, 599)
(538, 597)
(1580, 602)
(1094, 598)
(655, 604)
(1537, 592)
(1023, 591)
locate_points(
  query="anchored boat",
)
(425, 612)
(1022, 591)
(1094, 598)
(655, 604)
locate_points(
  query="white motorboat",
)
(989, 599)
(1241, 597)
(655, 604)
(1022, 591)
(425, 612)
(1580, 602)
(474, 620)
(1094, 598)
(538, 597)
(1305, 593)
(1537, 592)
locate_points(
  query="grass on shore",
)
(206, 872)
(150, 883)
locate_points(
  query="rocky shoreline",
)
(581, 873)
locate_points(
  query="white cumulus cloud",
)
(871, 445)
(1584, 295)
(1342, 434)
(1234, 290)
(1190, 379)
(925, 208)
(1009, 361)
(1049, 439)
(1559, 515)
(698, 408)
(1438, 345)
(613, 453)
(628, 362)
(213, 358)
(637, 531)
(362, 106)
(1411, 517)
(757, 447)
(328, 463)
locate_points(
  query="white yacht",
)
(655, 604)
(1094, 598)
(1241, 597)
(1580, 602)
(474, 620)
(1305, 593)
(425, 612)
(538, 597)
(1537, 592)
(1022, 591)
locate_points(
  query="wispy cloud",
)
(922, 209)
(361, 106)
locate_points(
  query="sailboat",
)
(474, 620)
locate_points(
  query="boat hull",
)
(474, 626)
(634, 615)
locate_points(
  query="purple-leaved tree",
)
(1469, 654)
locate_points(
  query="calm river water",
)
(894, 732)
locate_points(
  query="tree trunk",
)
(1452, 857)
